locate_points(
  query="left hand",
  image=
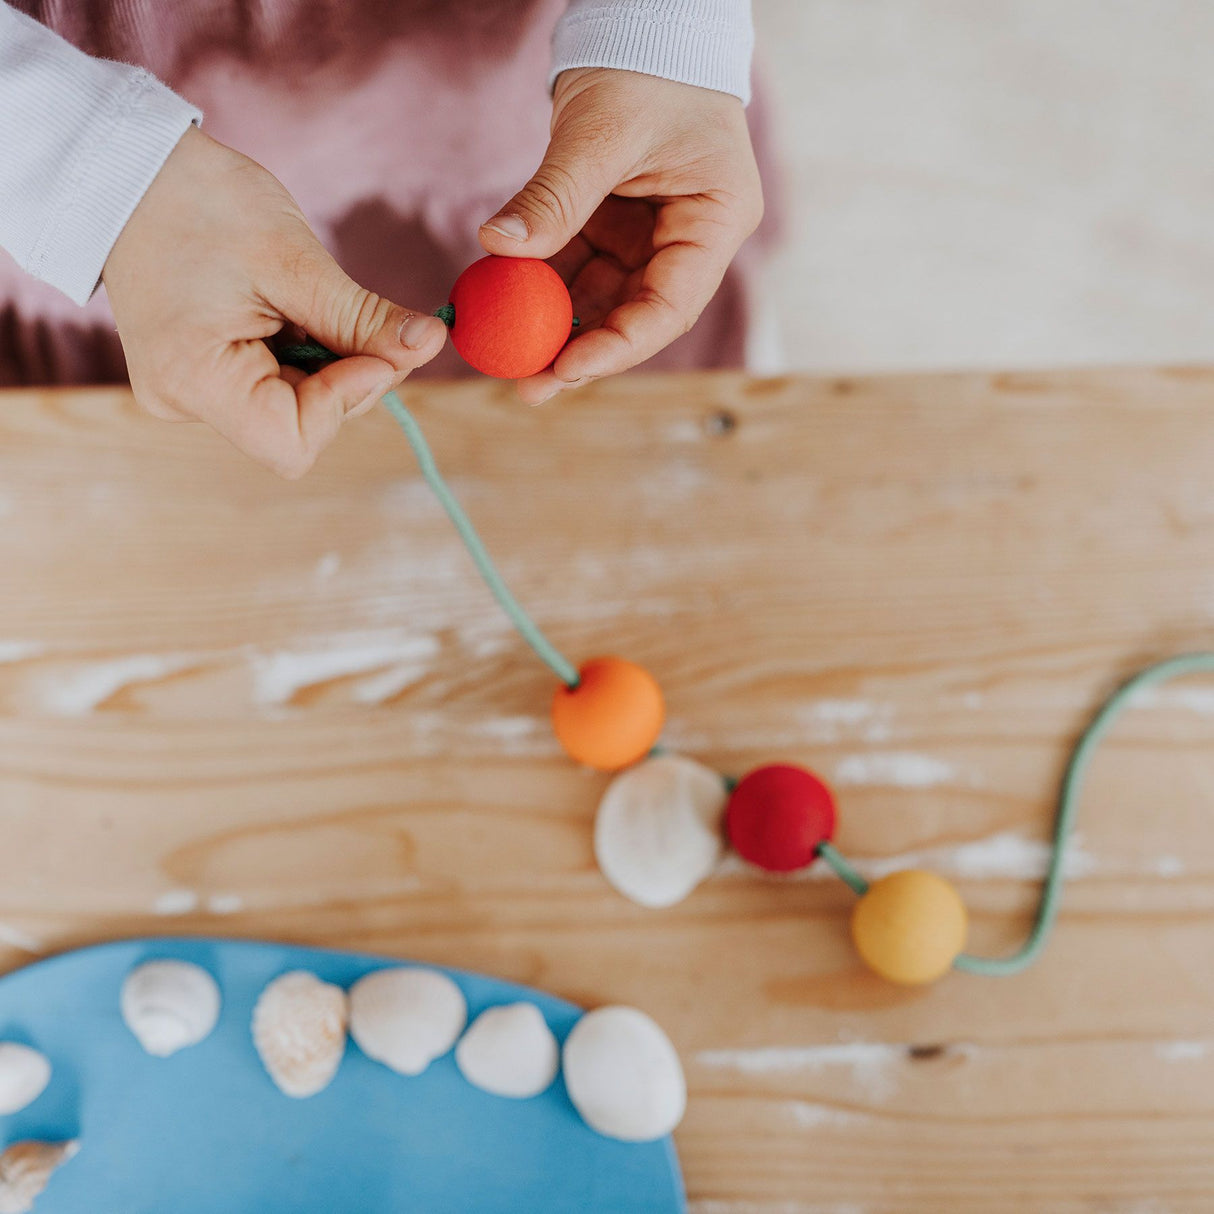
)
(647, 191)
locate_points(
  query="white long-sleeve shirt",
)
(83, 138)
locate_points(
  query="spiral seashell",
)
(169, 1005)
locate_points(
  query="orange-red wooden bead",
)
(512, 316)
(612, 717)
(778, 815)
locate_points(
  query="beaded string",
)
(1073, 777)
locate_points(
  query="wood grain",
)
(292, 711)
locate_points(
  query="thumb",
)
(554, 206)
(312, 290)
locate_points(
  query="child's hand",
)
(647, 191)
(216, 258)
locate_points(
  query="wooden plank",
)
(231, 704)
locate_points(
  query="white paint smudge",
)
(19, 651)
(809, 1116)
(1181, 1051)
(971, 699)
(281, 675)
(1168, 866)
(871, 1063)
(1007, 855)
(830, 720)
(88, 686)
(681, 480)
(175, 902)
(380, 688)
(327, 567)
(896, 769)
(1195, 699)
(507, 729)
(16, 938)
(845, 712)
(225, 904)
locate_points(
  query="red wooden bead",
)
(512, 316)
(778, 815)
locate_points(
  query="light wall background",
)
(992, 183)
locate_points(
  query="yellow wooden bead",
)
(910, 926)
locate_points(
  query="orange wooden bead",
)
(512, 316)
(612, 717)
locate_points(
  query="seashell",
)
(24, 1074)
(169, 1005)
(509, 1051)
(658, 831)
(406, 1017)
(299, 1029)
(25, 1170)
(624, 1076)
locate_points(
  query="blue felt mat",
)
(206, 1132)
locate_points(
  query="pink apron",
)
(398, 125)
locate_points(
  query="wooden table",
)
(234, 705)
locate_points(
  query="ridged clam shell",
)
(299, 1029)
(406, 1017)
(25, 1170)
(169, 1005)
(658, 831)
(509, 1051)
(24, 1074)
(623, 1075)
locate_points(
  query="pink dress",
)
(398, 125)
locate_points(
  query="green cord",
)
(843, 870)
(1068, 802)
(527, 627)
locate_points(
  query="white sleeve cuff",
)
(703, 42)
(122, 153)
(83, 139)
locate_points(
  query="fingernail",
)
(512, 227)
(419, 331)
(547, 395)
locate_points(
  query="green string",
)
(843, 870)
(1068, 805)
(527, 627)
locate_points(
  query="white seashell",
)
(406, 1017)
(509, 1051)
(658, 832)
(24, 1074)
(25, 1170)
(169, 1005)
(623, 1075)
(299, 1029)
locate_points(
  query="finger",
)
(579, 170)
(695, 243)
(311, 289)
(283, 418)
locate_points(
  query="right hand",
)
(217, 258)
